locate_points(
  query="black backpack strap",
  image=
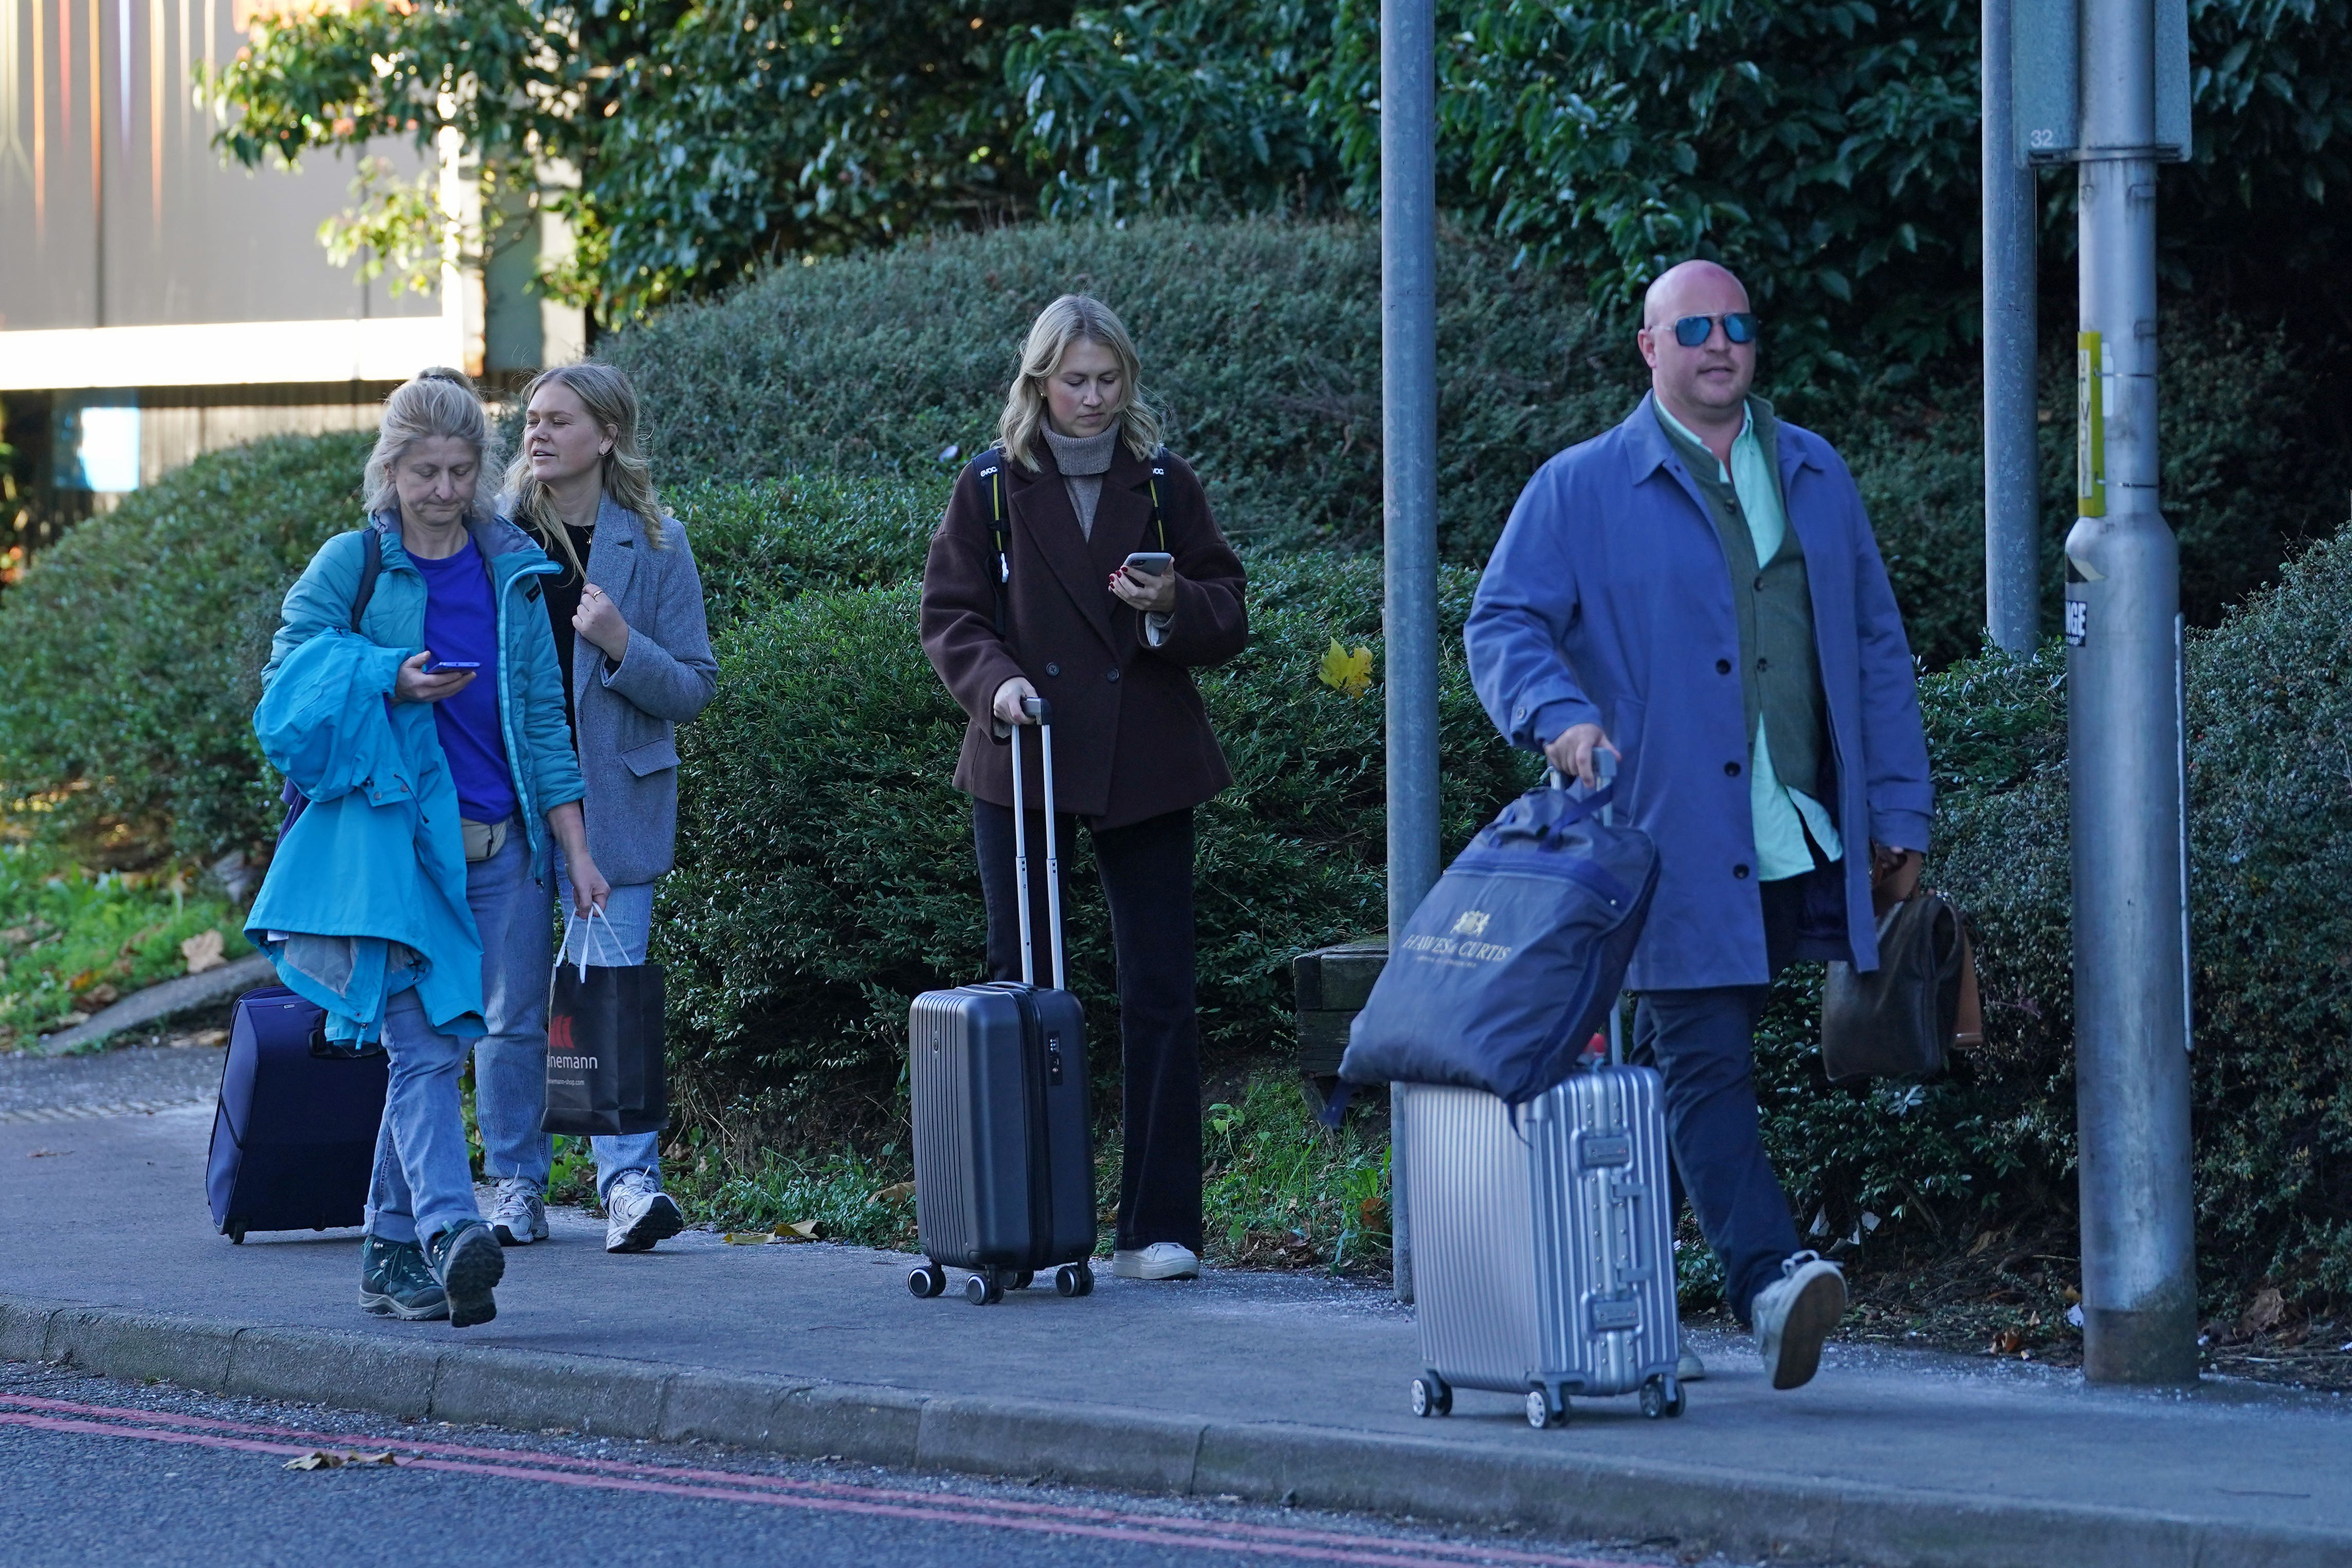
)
(1159, 472)
(988, 469)
(371, 568)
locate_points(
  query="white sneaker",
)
(1160, 1260)
(637, 1214)
(1688, 1368)
(520, 1216)
(1794, 1314)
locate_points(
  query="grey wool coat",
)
(628, 715)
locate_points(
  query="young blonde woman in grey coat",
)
(629, 630)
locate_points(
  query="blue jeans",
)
(424, 1181)
(510, 1061)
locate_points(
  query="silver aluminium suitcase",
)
(1542, 1247)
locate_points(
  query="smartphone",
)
(447, 665)
(1152, 562)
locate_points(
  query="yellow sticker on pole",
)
(2090, 428)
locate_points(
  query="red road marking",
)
(1138, 1527)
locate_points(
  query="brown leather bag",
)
(1900, 1020)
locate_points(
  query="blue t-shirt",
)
(461, 622)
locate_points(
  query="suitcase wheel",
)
(1662, 1395)
(1021, 1281)
(1074, 1279)
(927, 1281)
(984, 1289)
(1546, 1409)
(1432, 1396)
(235, 1230)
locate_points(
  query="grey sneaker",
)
(1688, 1368)
(1160, 1260)
(395, 1283)
(520, 1216)
(1794, 1314)
(468, 1262)
(637, 1212)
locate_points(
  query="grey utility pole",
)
(2126, 763)
(2012, 469)
(1408, 476)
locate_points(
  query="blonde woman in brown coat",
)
(1030, 592)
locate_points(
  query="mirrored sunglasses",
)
(1740, 326)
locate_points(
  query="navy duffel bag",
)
(1513, 962)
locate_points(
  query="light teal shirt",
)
(1783, 816)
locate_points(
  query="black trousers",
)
(1147, 879)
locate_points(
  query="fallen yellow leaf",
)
(203, 952)
(800, 1230)
(747, 1238)
(897, 1193)
(1349, 674)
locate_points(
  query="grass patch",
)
(1278, 1190)
(73, 942)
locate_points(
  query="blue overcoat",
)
(1608, 600)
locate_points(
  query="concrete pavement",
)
(1264, 1388)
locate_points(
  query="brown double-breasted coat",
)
(1131, 739)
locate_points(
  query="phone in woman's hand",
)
(1152, 562)
(446, 664)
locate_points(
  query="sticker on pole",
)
(2078, 623)
(2090, 429)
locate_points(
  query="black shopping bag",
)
(605, 1073)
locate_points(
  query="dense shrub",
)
(826, 865)
(134, 646)
(1263, 340)
(2270, 697)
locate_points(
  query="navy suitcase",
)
(1004, 1170)
(294, 1135)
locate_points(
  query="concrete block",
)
(190, 1351)
(532, 1389)
(711, 1407)
(872, 1422)
(360, 1372)
(24, 1326)
(1095, 1444)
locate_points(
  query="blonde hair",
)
(438, 402)
(612, 404)
(1069, 319)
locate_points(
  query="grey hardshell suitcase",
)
(1002, 1136)
(1542, 1257)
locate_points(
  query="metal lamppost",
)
(2124, 109)
(1408, 476)
(2012, 479)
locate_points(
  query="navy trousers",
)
(1147, 879)
(1704, 1043)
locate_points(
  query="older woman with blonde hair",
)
(627, 617)
(412, 695)
(1078, 562)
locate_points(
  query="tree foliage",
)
(1827, 148)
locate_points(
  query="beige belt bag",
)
(483, 839)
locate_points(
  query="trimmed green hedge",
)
(826, 871)
(134, 647)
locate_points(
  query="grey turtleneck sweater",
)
(1084, 462)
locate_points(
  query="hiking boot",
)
(395, 1283)
(520, 1216)
(1688, 1368)
(1160, 1260)
(466, 1259)
(637, 1212)
(1794, 1314)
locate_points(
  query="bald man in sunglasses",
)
(1698, 593)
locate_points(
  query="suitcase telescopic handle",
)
(1037, 708)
